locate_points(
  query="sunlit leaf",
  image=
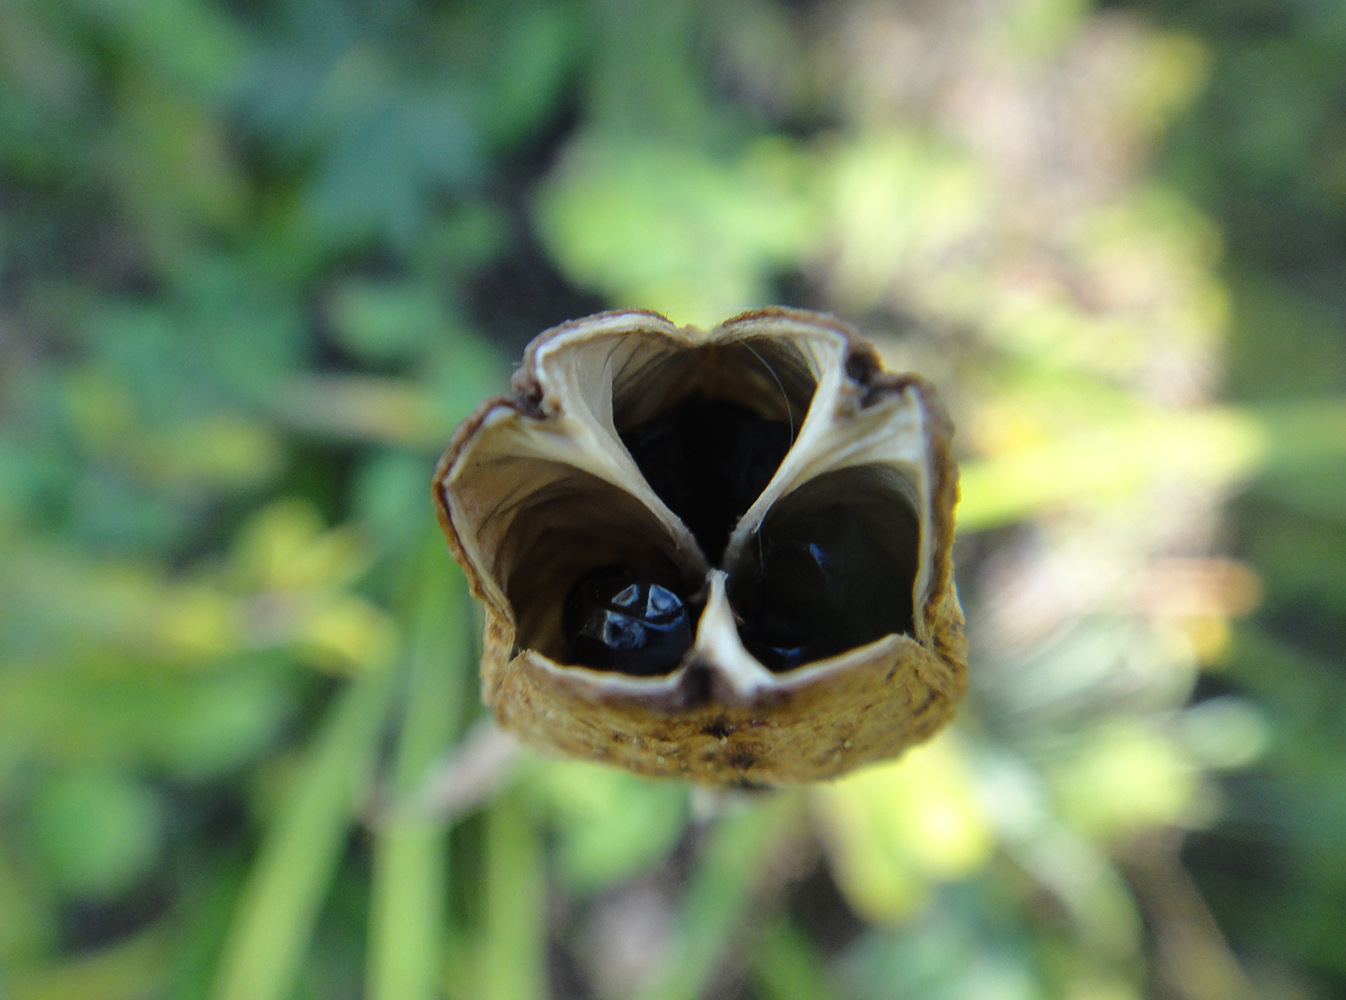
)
(673, 230)
(895, 829)
(97, 832)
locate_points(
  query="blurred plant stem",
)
(718, 898)
(1194, 959)
(274, 922)
(787, 966)
(410, 860)
(514, 952)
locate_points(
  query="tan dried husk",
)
(536, 487)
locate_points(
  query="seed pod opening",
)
(832, 567)
(723, 555)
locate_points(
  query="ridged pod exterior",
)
(537, 486)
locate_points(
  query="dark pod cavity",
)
(637, 627)
(708, 460)
(818, 583)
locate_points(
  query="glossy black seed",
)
(824, 583)
(631, 626)
(661, 454)
(708, 460)
(788, 609)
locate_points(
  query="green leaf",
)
(97, 833)
(787, 966)
(670, 228)
(382, 322)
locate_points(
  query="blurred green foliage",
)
(257, 259)
(1264, 152)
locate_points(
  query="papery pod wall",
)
(767, 476)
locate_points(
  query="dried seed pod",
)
(717, 555)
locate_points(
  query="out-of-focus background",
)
(256, 260)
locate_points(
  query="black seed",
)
(661, 455)
(824, 583)
(631, 626)
(708, 460)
